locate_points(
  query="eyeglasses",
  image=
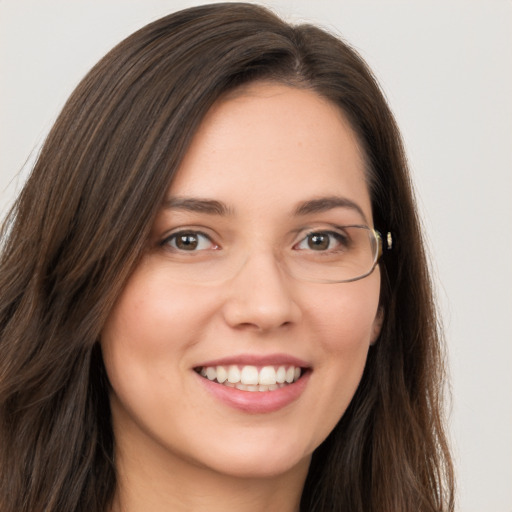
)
(339, 254)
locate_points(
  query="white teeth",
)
(281, 375)
(267, 376)
(233, 374)
(249, 378)
(222, 374)
(249, 375)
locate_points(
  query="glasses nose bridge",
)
(258, 295)
(260, 253)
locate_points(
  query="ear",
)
(377, 325)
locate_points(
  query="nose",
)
(260, 297)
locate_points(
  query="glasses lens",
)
(344, 254)
(341, 254)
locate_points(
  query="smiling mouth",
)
(252, 378)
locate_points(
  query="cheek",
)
(344, 329)
(136, 338)
(346, 316)
(152, 315)
(144, 341)
(344, 337)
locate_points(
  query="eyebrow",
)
(323, 204)
(192, 204)
(214, 207)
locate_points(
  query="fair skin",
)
(184, 442)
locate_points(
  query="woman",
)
(197, 308)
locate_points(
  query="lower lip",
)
(257, 402)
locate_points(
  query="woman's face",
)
(249, 188)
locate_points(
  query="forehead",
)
(269, 144)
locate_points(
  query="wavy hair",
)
(81, 223)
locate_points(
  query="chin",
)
(262, 467)
(261, 455)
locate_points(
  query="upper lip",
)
(257, 360)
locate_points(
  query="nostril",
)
(260, 309)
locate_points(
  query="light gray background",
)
(446, 68)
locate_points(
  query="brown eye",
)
(318, 241)
(189, 241)
(323, 241)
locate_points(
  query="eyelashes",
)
(190, 241)
(322, 241)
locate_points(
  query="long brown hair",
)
(81, 223)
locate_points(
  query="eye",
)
(189, 241)
(322, 241)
